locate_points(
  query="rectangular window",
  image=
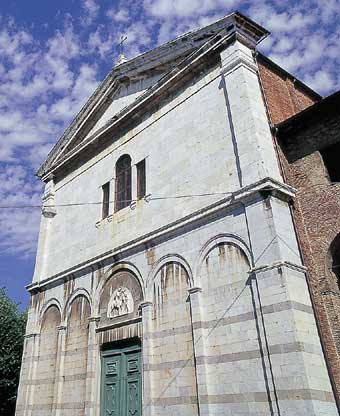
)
(141, 180)
(330, 156)
(106, 200)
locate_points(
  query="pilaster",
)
(93, 369)
(48, 213)
(59, 371)
(253, 146)
(283, 312)
(195, 294)
(147, 350)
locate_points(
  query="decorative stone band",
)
(277, 349)
(173, 401)
(297, 394)
(48, 407)
(167, 365)
(230, 320)
(278, 189)
(246, 397)
(65, 378)
(68, 353)
(257, 353)
(278, 265)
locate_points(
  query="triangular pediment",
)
(124, 86)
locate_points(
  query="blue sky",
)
(54, 53)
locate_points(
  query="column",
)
(59, 371)
(195, 294)
(147, 350)
(92, 404)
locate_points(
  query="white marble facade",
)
(212, 285)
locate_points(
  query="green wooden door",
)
(121, 382)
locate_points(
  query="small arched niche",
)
(225, 263)
(46, 368)
(120, 298)
(172, 319)
(76, 352)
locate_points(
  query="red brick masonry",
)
(316, 208)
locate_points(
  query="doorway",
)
(121, 381)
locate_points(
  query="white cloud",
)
(322, 81)
(91, 9)
(100, 44)
(19, 227)
(121, 15)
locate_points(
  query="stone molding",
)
(119, 324)
(195, 289)
(145, 304)
(236, 60)
(278, 265)
(32, 335)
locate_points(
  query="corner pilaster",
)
(285, 322)
(48, 213)
(253, 146)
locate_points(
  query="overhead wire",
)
(147, 198)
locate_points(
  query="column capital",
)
(195, 289)
(62, 328)
(145, 304)
(94, 319)
(32, 335)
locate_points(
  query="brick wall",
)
(284, 96)
(316, 213)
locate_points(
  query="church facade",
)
(168, 277)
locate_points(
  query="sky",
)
(53, 54)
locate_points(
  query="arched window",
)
(123, 182)
(334, 258)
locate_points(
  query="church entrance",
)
(121, 385)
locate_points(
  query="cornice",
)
(242, 195)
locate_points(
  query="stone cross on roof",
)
(121, 57)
